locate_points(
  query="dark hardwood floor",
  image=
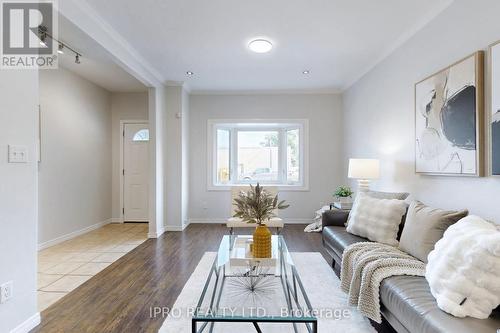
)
(119, 298)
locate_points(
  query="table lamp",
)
(364, 170)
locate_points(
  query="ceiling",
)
(338, 41)
(97, 65)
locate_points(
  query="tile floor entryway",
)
(64, 267)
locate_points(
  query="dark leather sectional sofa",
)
(407, 303)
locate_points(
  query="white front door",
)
(135, 172)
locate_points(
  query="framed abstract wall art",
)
(449, 123)
(495, 108)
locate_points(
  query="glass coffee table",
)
(258, 292)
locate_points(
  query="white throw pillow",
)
(376, 219)
(463, 269)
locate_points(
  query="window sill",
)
(281, 187)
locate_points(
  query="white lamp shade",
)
(364, 168)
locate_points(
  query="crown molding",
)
(81, 14)
(326, 91)
(406, 36)
(185, 86)
(171, 83)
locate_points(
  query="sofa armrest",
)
(335, 217)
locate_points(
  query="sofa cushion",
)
(335, 217)
(376, 219)
(392, 195)
(337, 238)
(424, 226)
(384, 195)
(409, 299)
(388, 195)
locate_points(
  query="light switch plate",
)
(18, 154)
(6, 292)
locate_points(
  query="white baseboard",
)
(120, 220)
(28, 324)
(208, 221)
(175, 227)
(224, 220)
(156, 234)
(136, 220)
(72, 235)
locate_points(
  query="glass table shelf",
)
(240, 288)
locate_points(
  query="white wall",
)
(176, 117)
(75, 172)
(325, 141)
(124, 106)
(185, 158)
(18, 114)
(157, 127)
(379, 109)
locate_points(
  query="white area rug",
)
(319, 280)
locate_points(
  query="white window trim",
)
(212, 124)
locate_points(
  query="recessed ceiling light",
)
(306, 71)
(260, 45)
(189, 73)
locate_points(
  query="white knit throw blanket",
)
(317, 225)
(365, 265)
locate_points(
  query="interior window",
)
(268, 153)
(223, 165)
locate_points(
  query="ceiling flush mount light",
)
(189, 73)
(260, 45)
(305, 72)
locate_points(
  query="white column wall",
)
(18, 198)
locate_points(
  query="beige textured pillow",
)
(376, 219)
(391, 195)
(388, 195)
(424, 227)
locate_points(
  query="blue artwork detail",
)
(458, 118)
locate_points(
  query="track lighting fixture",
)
(43, 38)
(61, 46)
